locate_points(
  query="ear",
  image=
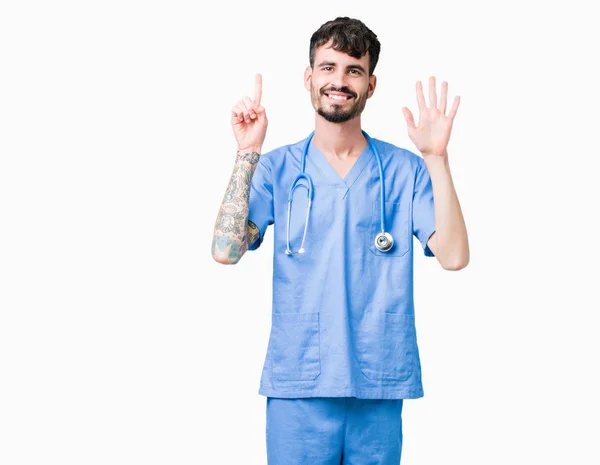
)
(307, 77)
(372, 85)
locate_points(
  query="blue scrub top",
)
(343, 320)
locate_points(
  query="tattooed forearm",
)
(233, 232)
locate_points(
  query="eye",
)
(327, 68)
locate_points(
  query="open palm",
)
(432, 133)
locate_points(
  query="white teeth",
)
(338, 97)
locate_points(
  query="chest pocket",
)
(397, 223)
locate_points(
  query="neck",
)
(340, 140)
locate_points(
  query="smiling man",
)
(343, 104)
(342, 354)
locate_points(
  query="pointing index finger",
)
(257, 89)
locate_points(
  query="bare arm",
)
(449, 242)
(233, 233)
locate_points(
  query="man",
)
(342, 352)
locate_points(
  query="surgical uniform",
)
(343, 319)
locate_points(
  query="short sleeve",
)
(423, 208)
(260, 206)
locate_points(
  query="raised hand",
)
(249, 120)
(432, 134)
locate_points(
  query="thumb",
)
(260, 113)
(408, 116)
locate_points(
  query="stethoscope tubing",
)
(310, 194)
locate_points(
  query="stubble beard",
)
(334, 112)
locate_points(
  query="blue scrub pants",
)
(334, 431)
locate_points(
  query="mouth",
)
(337, 97)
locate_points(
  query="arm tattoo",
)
(253, 233)
(250, 157)
(233, 232)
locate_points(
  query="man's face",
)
(339, 84)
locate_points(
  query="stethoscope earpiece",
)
(384, 241)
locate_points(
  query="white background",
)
(123, 342)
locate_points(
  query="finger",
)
(421, 97)
(454, 108)
(443, 97)
(250, 105)
(257, 89)
(247, 108)
(245, 113)
(432, 94)
(237, 113)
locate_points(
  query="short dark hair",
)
(350, 36)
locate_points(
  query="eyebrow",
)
(332, 63)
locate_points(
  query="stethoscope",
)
(383, 240)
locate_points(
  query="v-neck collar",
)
(332, 175)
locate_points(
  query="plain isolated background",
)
(123, 342)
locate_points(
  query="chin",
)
(335, 117)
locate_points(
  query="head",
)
(343, 55)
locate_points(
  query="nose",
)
(338, 79)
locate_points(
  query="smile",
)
(338, 98)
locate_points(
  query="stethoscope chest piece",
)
(384, 241)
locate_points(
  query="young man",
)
(342, 353)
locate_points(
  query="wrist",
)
(437, 166)
(250, 148)
(435, 159)
(249, 155)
